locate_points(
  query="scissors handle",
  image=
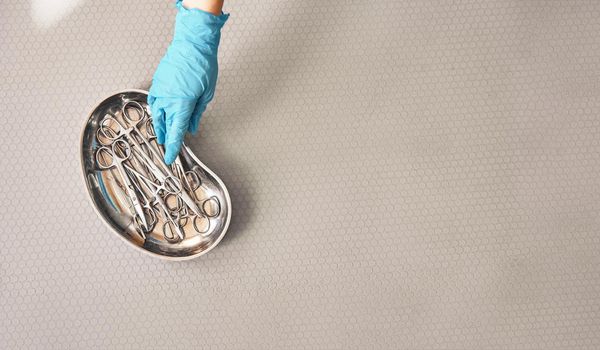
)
(110, 129)
(121, 150)
(104, 158)
(170, 227)
(201, 225)
(212, 207)
(103, 140)
(192, 180)
(140, 112)
(172, 232)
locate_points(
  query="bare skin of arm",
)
(212, 6)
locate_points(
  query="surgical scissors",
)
(147, 205)
(191, 182)
(156, 190)
(117, 154)
(160, 174)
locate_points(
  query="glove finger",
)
(196, 115)
(177, 125)
(175, 136)
(158, 122)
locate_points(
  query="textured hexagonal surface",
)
(404, 174)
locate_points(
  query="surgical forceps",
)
(114, 156)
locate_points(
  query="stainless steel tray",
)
(114, 208)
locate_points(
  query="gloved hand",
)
(184, 82)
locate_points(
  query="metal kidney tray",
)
(182, 224)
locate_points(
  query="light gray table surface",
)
(403, 174)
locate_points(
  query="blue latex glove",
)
(184, 82)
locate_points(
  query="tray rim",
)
(120, 235)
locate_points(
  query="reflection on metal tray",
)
(177, 212)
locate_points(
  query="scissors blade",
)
(130, 189)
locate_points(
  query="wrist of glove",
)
(185, 80)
